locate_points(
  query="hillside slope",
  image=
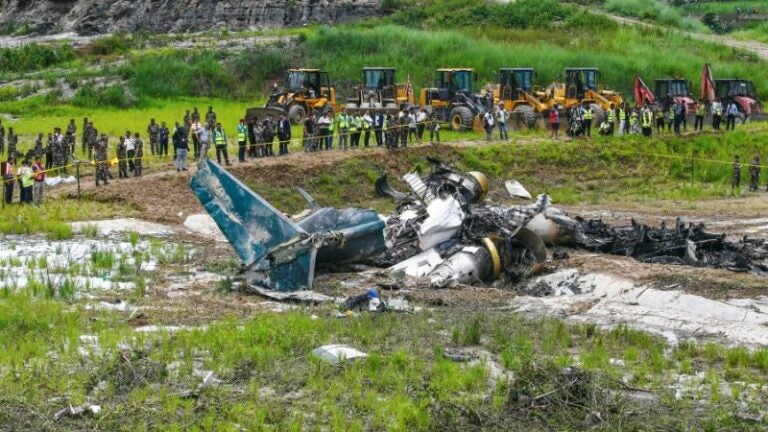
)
(109, 16)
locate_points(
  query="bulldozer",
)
(454, 100)
(668, 91)
(304, 91)
(379, 91)
(520, 97)
(581, 88)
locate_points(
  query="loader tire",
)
(461, 119)
(528, 115)
(296, 114)
(598, 115)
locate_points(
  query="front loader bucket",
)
(262, 112)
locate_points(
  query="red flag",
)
(642, 92)
(707, 84)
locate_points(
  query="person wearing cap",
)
(242, 130)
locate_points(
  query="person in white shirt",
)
(488, 124)
(421, 120)
(502, 116)
(195, 131)
(130, 151)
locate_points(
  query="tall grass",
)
(654, 11)
(34, 57)
(621, 53)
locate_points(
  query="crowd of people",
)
(320, 130)
(623, 119)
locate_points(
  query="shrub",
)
(114, 95)
(34, 56)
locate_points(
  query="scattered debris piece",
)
(336, 354)
(77, 411)
(303, 296)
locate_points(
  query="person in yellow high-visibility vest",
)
(646, 120)
(219, 139)
(242, 130)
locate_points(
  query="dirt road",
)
(758, 48)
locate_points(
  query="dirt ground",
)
(163, 195)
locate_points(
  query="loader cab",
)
(378, 78)
(515, 81)
(579, 80)
(312, 82)
(727, 88)
(672, 87)
(449, 82)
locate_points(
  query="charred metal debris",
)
(443, 233)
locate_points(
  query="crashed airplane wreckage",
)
(442, 231)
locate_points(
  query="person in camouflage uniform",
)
(736, 176)
(392, 132)
(122, 159)
(57, 150)
(754, 173)
(268, 132)
(100, 150)
(72, 130)
(210, 118)
(66, 149)
(49, 153)
(154, 137)
(86, 136)
(2, 137)
(13, 141)
(90, 136)
(138, 155)
(39, 150)
(403, 126)
(93, 139)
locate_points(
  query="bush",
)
(254, 67)
(167, 75)
(34, 57)
(117, 43)
(108, 96)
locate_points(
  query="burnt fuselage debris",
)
(442, 233)
(687, 244)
